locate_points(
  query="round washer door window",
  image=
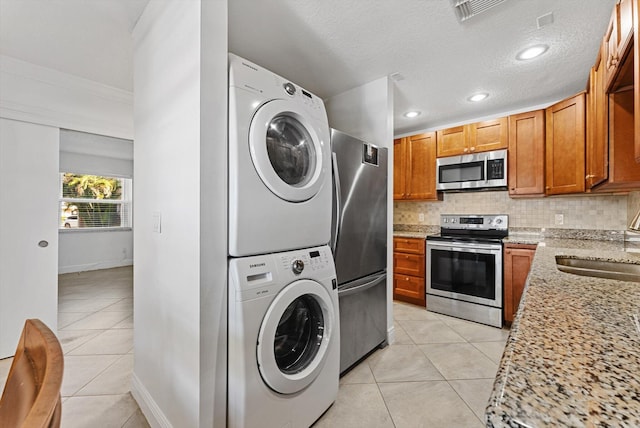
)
(286, 151)
(294, 336)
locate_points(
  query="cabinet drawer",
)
(408, 264)
(409, 245)
(409, 288)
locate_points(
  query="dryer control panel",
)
(259, 276)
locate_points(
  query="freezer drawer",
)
(363, 318)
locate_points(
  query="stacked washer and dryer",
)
(283, 326)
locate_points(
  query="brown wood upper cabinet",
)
(526, 154)
(565, 146)
(414, 167)
(611, 111)
(617, 39)
(473, 138)
(597, 155)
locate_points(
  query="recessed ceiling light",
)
(478, 97)
(532, 52)
(412, 114)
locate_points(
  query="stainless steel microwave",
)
(475, 171)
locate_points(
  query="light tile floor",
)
(438, 373)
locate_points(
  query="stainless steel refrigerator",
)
(359, 244)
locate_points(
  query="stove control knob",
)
(498, 221)
(297, 266)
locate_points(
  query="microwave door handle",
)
(486, 169)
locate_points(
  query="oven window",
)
(470, 171)
(472, 274)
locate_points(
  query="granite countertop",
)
(573, 355)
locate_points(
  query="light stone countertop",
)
(573, 355)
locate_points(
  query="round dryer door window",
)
(287, 151)
(294, 336)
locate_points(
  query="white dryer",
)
(283, 339)
(279, 163)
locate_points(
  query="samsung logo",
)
(250, 66)
(251, 266)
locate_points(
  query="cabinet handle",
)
(513, 188)
(547, 187)
(473, 149)
(465, 150)
(590, 176)
(508, 251)
(406, 278)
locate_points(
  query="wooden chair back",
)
(31, 396)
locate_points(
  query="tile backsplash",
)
(601, 212)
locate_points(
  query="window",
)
(94, 202)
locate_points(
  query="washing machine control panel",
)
(314, 260)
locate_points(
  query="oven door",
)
(466, 271)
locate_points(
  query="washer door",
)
(294, 336)
(286, 151)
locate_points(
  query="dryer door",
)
(295, 335)
(287, 151)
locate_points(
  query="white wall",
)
(81, 250)
(366, 112)
(36, 94)
(180, 81)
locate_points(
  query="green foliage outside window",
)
(92, 213)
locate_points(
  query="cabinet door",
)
(409, 289)
(526, 154)
(421, 174)
(565, 146)
(625, 25)
(489, 135)
(517, 262)
(597, 139)
(399, 168)
(453, 141)
(611, 48)
(408, 264)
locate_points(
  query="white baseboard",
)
(95, 266)
(148, 406)
(391, 335)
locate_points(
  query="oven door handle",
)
(465, 247)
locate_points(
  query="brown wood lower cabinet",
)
(517, 262)
(408, 270)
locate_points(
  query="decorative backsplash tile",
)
(602, 212)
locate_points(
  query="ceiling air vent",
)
(466, 9)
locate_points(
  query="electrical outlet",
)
(559, 219)
(421, 217)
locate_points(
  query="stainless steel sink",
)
(599, 268)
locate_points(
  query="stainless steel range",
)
(464, 267)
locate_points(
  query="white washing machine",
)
(284, 337)
(279, 163)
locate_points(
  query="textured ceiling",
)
(331, 46)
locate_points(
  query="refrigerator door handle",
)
(338, 199)
(362, 287)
